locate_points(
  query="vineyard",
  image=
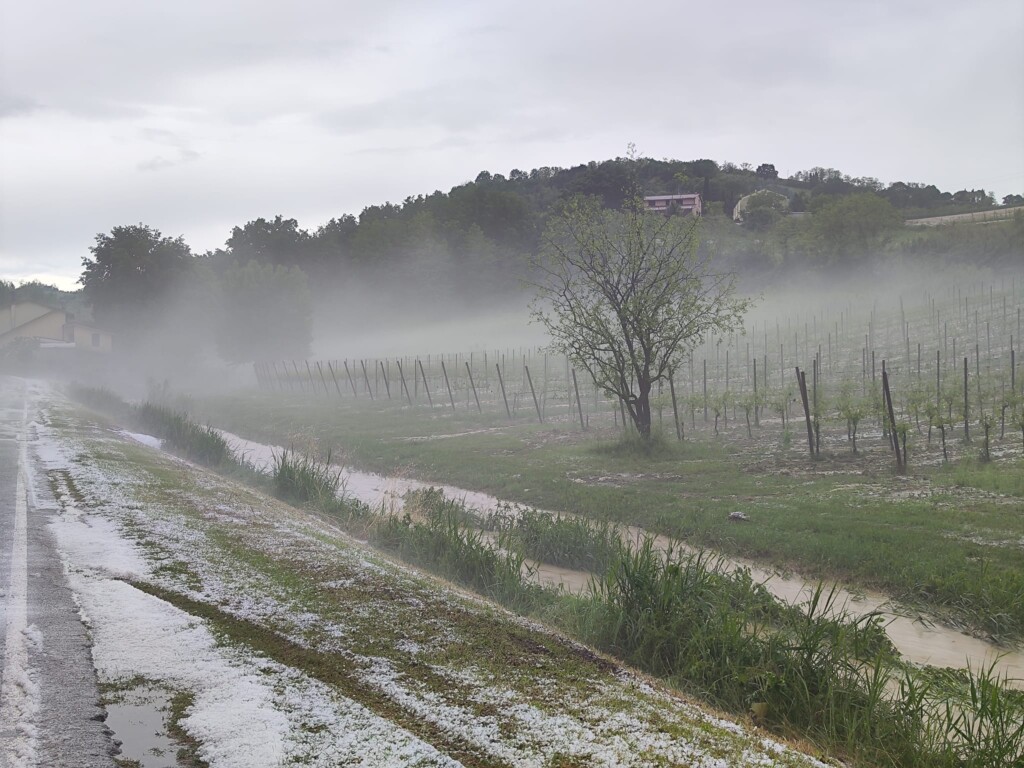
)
(948, 361)
(831, 506)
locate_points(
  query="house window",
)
(95, 339)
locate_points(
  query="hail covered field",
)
(467, 558)
(251, 633)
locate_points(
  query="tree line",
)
(254, 296)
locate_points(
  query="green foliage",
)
(305, 480)
(267, 313)
(852, 228)
(131, 274)
(198, 443)
(763, 210)
(625, 294)
(569, 542)
(444, 543)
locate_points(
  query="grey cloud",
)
(160, 162)
(15, 105)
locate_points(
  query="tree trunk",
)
(641, 413)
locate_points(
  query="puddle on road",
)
(918, 641)
(138, 719)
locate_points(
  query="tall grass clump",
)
(304, 479)
(202, 444)
(814, 671)
(433, 533)
(100, 399)
(569, 542)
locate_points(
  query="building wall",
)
(47, 326)
(90, 338)
(23, 312)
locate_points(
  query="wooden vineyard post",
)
(405, 387)
(814, 413)
(675, 407)
(298, 377)
(349, 375)
(448, 385)
(278, 375)
(705, 390)
(579, 405)
(309, 372)
(938, 378)
(893, 433)
(756, 420)
(501, 383)
(334, 378)
(967, 426)
(366, 378)
(384, 375)
(473, 387)
(425, 387)
(536, 405)
(320, 370)
(801, 378)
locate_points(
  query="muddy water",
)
(920, 641)
(137, 720)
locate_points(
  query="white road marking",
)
(19, 694)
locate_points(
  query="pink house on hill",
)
(689, 203)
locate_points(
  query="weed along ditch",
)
(919, 638)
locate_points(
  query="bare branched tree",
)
(626, 295)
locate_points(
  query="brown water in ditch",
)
(919, 640)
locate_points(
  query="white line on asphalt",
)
(19, 693)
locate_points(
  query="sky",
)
(196, 116)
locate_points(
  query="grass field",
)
(838, 516)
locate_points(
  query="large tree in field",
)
(626, 295)
(130, 275)
(267, 313)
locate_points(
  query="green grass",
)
(822, 675)
(569, 542)
(845, 524)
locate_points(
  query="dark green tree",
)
(279, 241)
(130, 277)
(267, 313)
(767, 171)
(851, 228)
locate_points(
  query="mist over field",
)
(511, 385)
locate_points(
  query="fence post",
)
(579, 404)
(501, 382)
(425, 387)
(384, 375)
(448, 385)
(473, 386)
(366, 378)
(675, 407)
(322, 379)
(405, 387)
(532, 392)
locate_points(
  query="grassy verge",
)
(815, 673)
(841, 517)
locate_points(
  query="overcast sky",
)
(195, 116)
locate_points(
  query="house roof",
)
(688, 195)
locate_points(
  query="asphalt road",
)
(49, 702)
